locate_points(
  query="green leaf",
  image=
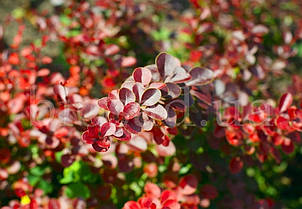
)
(68, 178)
(298, 47)
(280, 168)
(77, 172)
(73, 33)
(37, 171)
(60, 60)
(185, 38)
(77, 190)
(45, 186)
(33, 180)
(71, 173)
(26, 124)
(185, 169)
(18, 13)
(162, 34)
(34, 150)
(65, 20)
(58, 156)
(136, 188)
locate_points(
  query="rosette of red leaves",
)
(182, 196)
(149, 100)
(262, 129)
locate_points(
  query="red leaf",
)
(103, 102)
(115, 106)
(111, 49)
(166, 150)
(282, 123)
(173, 90)
(195, 55)
(43, 72)
(126, 96)
(14, 59)
(128, 61)
(166, 64)
(54, 204)
(131, 205)
(148, 122)
(46, 60)
(142, 75)
(152, 190)
(67, 115)
(171, 119)
(287, 146)
(67, 159)
(151, 97)
(138, 90)
(122, 134)
(139, 143)
(168, 195)
(114, 94)
(104, 143)
(98, 148)
(157, 112)
(233, 137)
(100, 120)
(134, 125)
(285, 102)
(188, 184)
(200, 76)
(177, 105)
(131, 110)
(209, 191)
(171, 204)
(108, 129)
(259, 30)
(278, 140)
(90, 110)
(86, 137)
(61, 92)
(179, 75)
(158, 85)
(16, 104)
(236, 165)
(145, 202)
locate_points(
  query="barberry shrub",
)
(215, 122)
